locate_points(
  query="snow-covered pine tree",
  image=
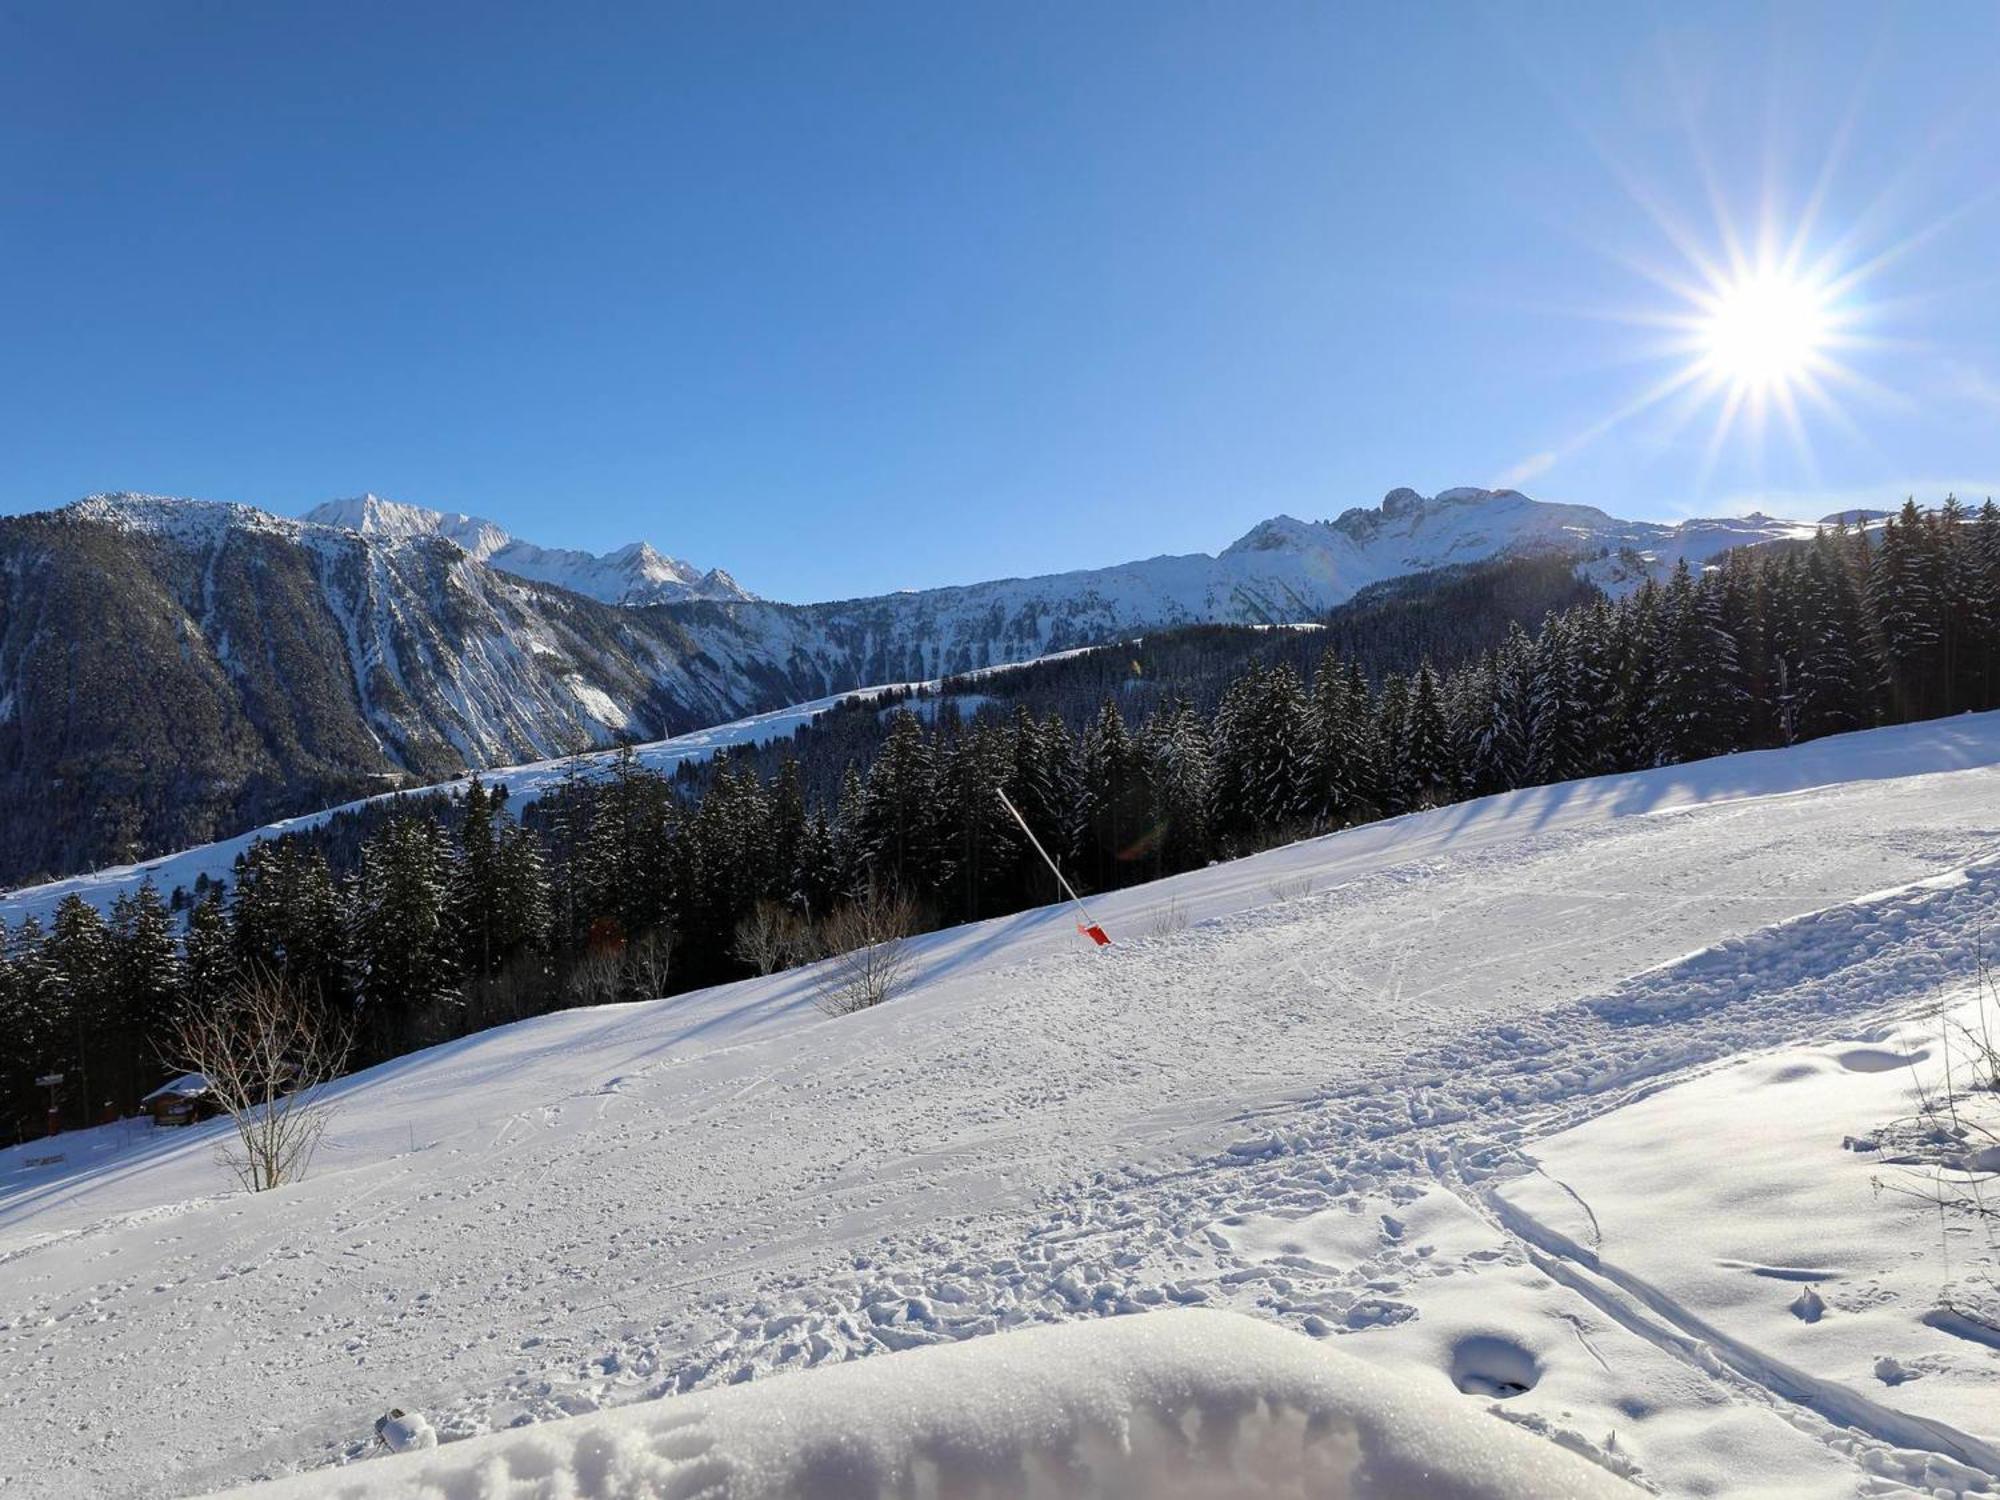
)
(1502, 752)
(1556, 749)
(1392, 722)
(1427, 755)
(850, 853)
(898, 814)
(78, 954)
(1175, 743)
(1116, 800)
(208, 952)
(289, 917)
(979, 844)
(1331, 774)
(1902, 601)
(406, 952)
(1982, 577)
(789, 825)
(150, 985)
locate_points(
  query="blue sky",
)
(856, 297)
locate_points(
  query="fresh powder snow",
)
(1180, 1406)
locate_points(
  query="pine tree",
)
(149, 986)
(287, 916)
(475, 884)
(1336, 772)
(1829, 696)
(1901, 599)
(78, 954)
(1175, 744)
(1427, 756)
(1556, 750)
(1392, 723)
(208, 953)
(979, 843)
(406, 950)
(35, 1038)
(1502, 754)
(1117, 802)
(897, 834)
(1982, 581)
(789, 827)
(1677, 716)
(850, 853)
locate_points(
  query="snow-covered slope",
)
(632, 574)
(1286, 1090)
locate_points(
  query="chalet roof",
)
(187, 1086)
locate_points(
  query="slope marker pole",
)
(1088, 926)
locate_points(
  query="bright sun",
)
(1766, 332)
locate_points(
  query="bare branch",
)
(267, 1055)
(869, 948)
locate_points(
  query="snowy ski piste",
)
(1484, 1151)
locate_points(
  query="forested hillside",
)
(446, 915)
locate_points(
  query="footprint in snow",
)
(1486, 1364)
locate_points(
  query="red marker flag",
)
(1095, 934)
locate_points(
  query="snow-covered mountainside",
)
(172, 671)
(632, 574)
(1282, 570)
(1311, 1087)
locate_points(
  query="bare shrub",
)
(868, 943)
(649, 963)
(1948, 1152)
(268, 1054)
(1169, 919)
(1297, 888)
(1951, 1147)
(598, 978)
(774, 937)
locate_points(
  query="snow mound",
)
(1184, 1405)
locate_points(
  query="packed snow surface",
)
(1304, 1087)
(1182, 1406)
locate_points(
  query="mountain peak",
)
(637, 573)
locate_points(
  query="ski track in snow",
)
(1256, 1113)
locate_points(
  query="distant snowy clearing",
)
(1311, 1086)
(1181, 1406)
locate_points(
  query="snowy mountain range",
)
(173, 671)
(633, 574)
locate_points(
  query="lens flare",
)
(1766, 331)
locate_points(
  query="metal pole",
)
(1054, 870)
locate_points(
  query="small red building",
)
(181, 1102)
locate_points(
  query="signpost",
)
(52, 1082)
